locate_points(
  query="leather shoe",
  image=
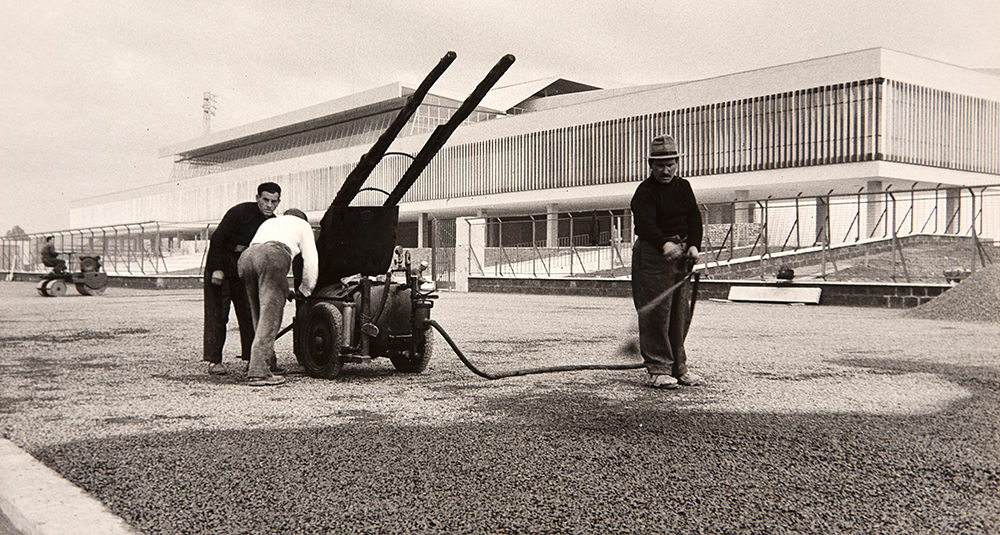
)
(689, 379)
(271, 380)
(662, 380)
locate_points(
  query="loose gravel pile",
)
(976, 298)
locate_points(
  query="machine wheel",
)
(415, 354)
(41, 288)
(319, 347)
(54, 288)
(87, 290)
(89, 264)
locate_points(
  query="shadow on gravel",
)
(33, 367)
(70, 337)
(977, 378)
(567, 463)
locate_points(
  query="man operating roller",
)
(669, 231)
(264, 269)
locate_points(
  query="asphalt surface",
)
(813, 420)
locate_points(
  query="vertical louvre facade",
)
(856, 121)
(941, 129)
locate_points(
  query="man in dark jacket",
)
(222, 284)
(50, 258)
(669, 231)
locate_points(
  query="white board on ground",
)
(775, 294)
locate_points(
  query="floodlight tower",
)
(208, 109)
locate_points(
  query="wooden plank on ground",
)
(775, 294)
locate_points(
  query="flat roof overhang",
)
(275, 133)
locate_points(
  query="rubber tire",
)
(319, 348)
(41, 288)
(87, 290)
(89, 263)
(415, 354)
(55, 288)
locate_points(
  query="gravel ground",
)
(813, 420)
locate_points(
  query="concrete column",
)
(422, 229)
(470, 250)
(743, 211)
(952, 209)
(552, 225)
(875, 204)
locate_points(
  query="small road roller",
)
(89, 279)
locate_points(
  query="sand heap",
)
(976, 298)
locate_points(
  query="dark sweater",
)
(662, 210)
(49, 253)
(236, 228)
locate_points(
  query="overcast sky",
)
(90, 91)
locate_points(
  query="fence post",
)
(142, 249)
(571, 249)
(433, 239)
(534, 246)
(500, 244)
(895, 242)
(798, 230)
(463, 253)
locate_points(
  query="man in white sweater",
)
(264, 268)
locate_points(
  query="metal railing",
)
(599, 243)
(133, 249)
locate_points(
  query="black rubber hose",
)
(576, 367)
(529, 371)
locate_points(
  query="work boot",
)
(662, 380)
(689, 379)
(217, 368)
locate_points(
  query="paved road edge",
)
(38, 501)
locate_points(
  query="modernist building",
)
(861, 121)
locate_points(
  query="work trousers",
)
(58, 265)
(264, 269)
(217, 304)
(662, 329)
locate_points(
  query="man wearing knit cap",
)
(264, 269)
(669, 231)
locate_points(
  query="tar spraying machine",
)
(371, 300)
